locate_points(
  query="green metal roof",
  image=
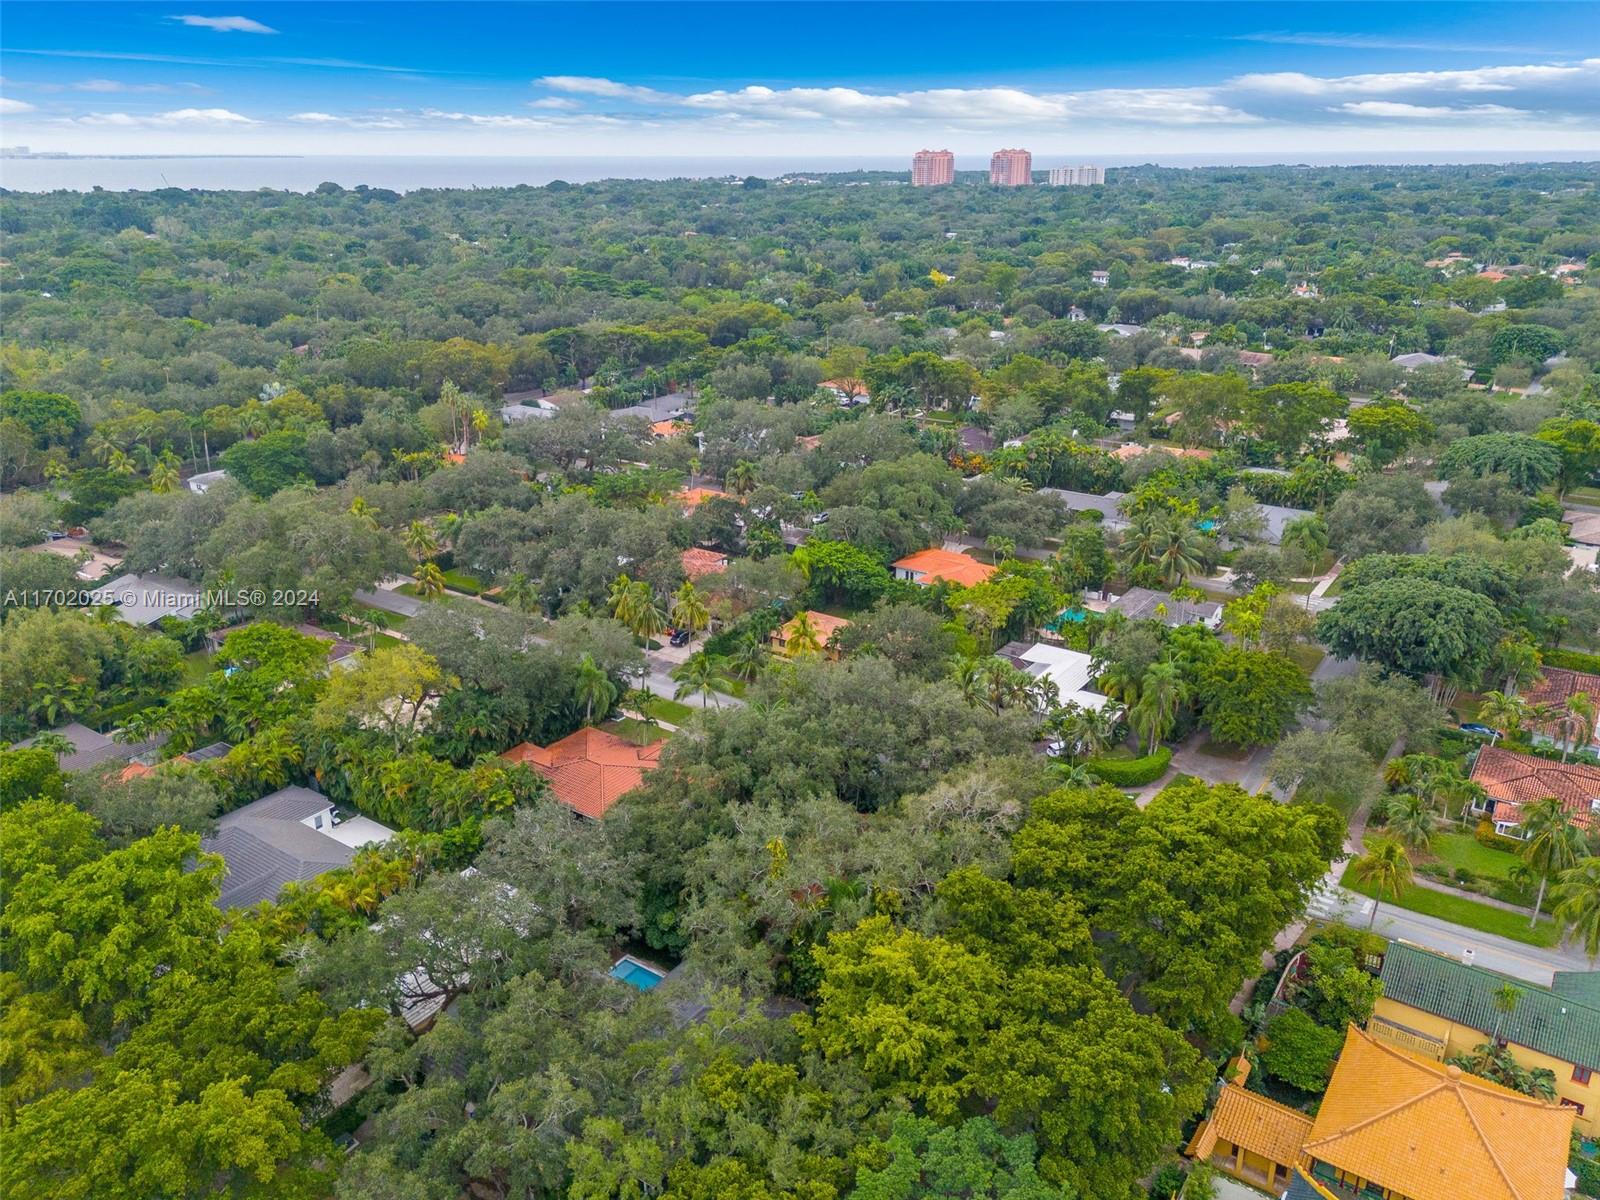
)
(1582, 986)
(1560, 1025)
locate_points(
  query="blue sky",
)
(826, 79)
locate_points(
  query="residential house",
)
(974, 440)
(1438, 1007)
(1276, 516)
(539, 410)
(145, 599)
(698, 563)
(1100, 278)
(1069, 670)
(147, 763)
(590, 770)
(1556, 686)
(1108, 506)
(1584, 530)
(823, 625)
(941, 566)
(1120, 328)
(662, 430)
(1412, 361)
(1143, 604)
(93, 562)
(1076, 314)
(1250, 1137)
(291, 835)
(694, 497)
(206, 480)
(91, 750)
(1511, 779)
(338, 648)
(1396, 1126)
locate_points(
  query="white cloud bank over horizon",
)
(1552, 106)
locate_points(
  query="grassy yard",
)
(460, 581)
(1469, 913)
(1464, 850)
(674, 712)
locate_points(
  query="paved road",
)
(1533, 963)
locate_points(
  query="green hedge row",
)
(1131, 772)
(1572, 660)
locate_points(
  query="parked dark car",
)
(680, 637)
(1474, 727)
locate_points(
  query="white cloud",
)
(1393, 108)
(558, 103)
(487, 120)
(213, 117)
(588, 85)
(224, 24)
(354, 122)
(1478, 79)
(8, 105)
(108, 86)
(961, 106)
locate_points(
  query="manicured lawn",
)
(1464, 850)
(674, 712)
(1468, 913)
(460, 581)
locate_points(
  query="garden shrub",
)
(1299, 1051)
(1496, 841)
(1131, 772)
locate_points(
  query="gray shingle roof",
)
(1088, 501)
(91, 749)
(145, 599)
(1558, 1025)
(1141, 604)
(265, 846)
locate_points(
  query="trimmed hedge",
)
(1131, 772)
(1487, 836)
(1572, 660)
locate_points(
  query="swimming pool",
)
(640, 975)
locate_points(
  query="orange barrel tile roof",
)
(936, 564)
(590, 770)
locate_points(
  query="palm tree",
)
(1307, 534)
(593, 688)
(1003, 548)
(1088, 732)
(1385, 868)
(1139, 542)
(1502, 713)
(1517, 659)
(518, 592)
(420, 541)
(689, 609)
(430, 580)
(1577, 725)
(1003, 683)
(1177, 551)
(741, 477)
(164, 476)
(801, 636)
(1575, 902)
(623, 599)
(1553, 844)
(1161, 693)
(1412, 821)
(701, 675)
(365, 512)
(1506, 998)
(968, 677)
(649, 619)
(749, 657)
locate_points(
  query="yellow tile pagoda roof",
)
(1260, 1125)
(1433, 1132)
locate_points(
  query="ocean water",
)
(409, 174)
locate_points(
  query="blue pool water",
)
(1206, 526)
(1073, 616)
(631, 971)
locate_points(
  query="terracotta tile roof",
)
(698, 563)
(1559, 685)
(824, 624)
(936, 564)
(809, 443)
(590, 770)
(666, 429)
(696, 496)
(1260, 1125)
(1433, 1132)
(1511, 780)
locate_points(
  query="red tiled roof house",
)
(590, 770)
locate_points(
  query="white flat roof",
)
(357, 832)
(1068, 669)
